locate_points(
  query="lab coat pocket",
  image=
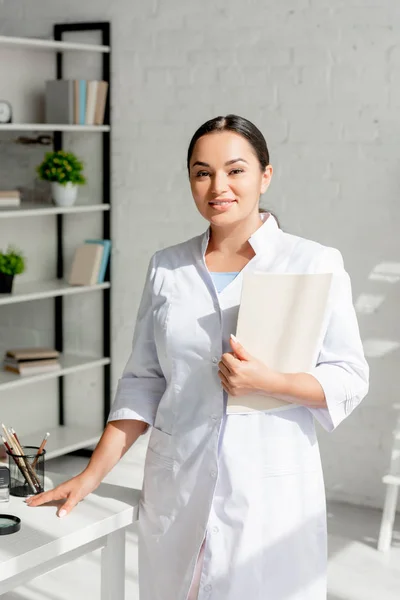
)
(160, 448)
(158, 495)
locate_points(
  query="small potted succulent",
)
(64, 171)
(12, 262)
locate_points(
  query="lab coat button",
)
(208, 588)
(215, 530)
(215, 360)
(213, 474)
(214, 417)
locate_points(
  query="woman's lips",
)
(221, 205)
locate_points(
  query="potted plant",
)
(12, 262)
(64, 171)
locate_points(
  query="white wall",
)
(321, 79)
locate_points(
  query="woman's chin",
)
(223, 217)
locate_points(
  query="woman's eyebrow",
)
(200, 163)
(229, 162)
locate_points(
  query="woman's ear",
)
(266, 178)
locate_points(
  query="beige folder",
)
(280, 322)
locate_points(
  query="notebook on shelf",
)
(86, 264)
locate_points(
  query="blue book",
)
(104, 260)
(82, 102)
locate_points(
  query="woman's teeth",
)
(223, 203)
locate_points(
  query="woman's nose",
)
(219, 184)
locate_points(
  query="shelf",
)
(30, 209)
(52, 127)
(63, 439)
(70, 363)
(37, 290)
(41, 44)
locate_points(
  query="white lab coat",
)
(251, 483)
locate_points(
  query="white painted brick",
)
(320, 78)
(353, 86)
(394, 88)
(304, 85)
(311, 55)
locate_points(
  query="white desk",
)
(46, 542)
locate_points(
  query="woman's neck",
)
(234, 239)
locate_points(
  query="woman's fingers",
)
(66, 508)
(229, 361)
(224, 370)
(224, 382)
(58, 493)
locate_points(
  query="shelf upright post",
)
(105, 29)
(58, 302)
(106, 41)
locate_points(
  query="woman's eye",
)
(202, 174)
(236, 171)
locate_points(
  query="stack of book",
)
(9, 198)
(31, 361)
(76, 101)
(90, 262)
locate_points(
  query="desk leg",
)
(113, 567)
(388, 516)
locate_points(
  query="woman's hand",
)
(241, 373)
(73, 491)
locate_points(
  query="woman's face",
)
(226, 178)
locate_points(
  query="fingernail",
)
(62, 513)
(234, 338)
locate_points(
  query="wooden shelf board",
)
(41, 44)
(63, 439)
(70, 363)
(53, 127)
(37, 290)
(30, 209)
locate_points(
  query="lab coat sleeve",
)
(341, 369)
(142, 384)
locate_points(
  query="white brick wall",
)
(320, 78)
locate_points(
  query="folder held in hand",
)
(280, 322)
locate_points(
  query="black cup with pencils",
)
(26, 463)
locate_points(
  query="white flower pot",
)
(64, 195)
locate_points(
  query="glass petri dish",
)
(9, 524)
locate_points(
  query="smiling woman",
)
(228, 164)
(232, 505)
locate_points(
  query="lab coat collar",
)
(260, 241)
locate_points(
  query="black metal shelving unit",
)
(105, 29)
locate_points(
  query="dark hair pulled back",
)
(238, 125)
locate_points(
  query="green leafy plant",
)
(62, 167)
(12, 261)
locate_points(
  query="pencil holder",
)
(26, 471)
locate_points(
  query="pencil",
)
(20, 462)
(28, 465)
(39, 452)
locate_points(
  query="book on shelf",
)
(101, 101)
(105, 257)
(9, 198)
(91, 99)
(86, 264)
(77, 101)
(32, 353)
(31, 361)
(82, 91)
(59, 104)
